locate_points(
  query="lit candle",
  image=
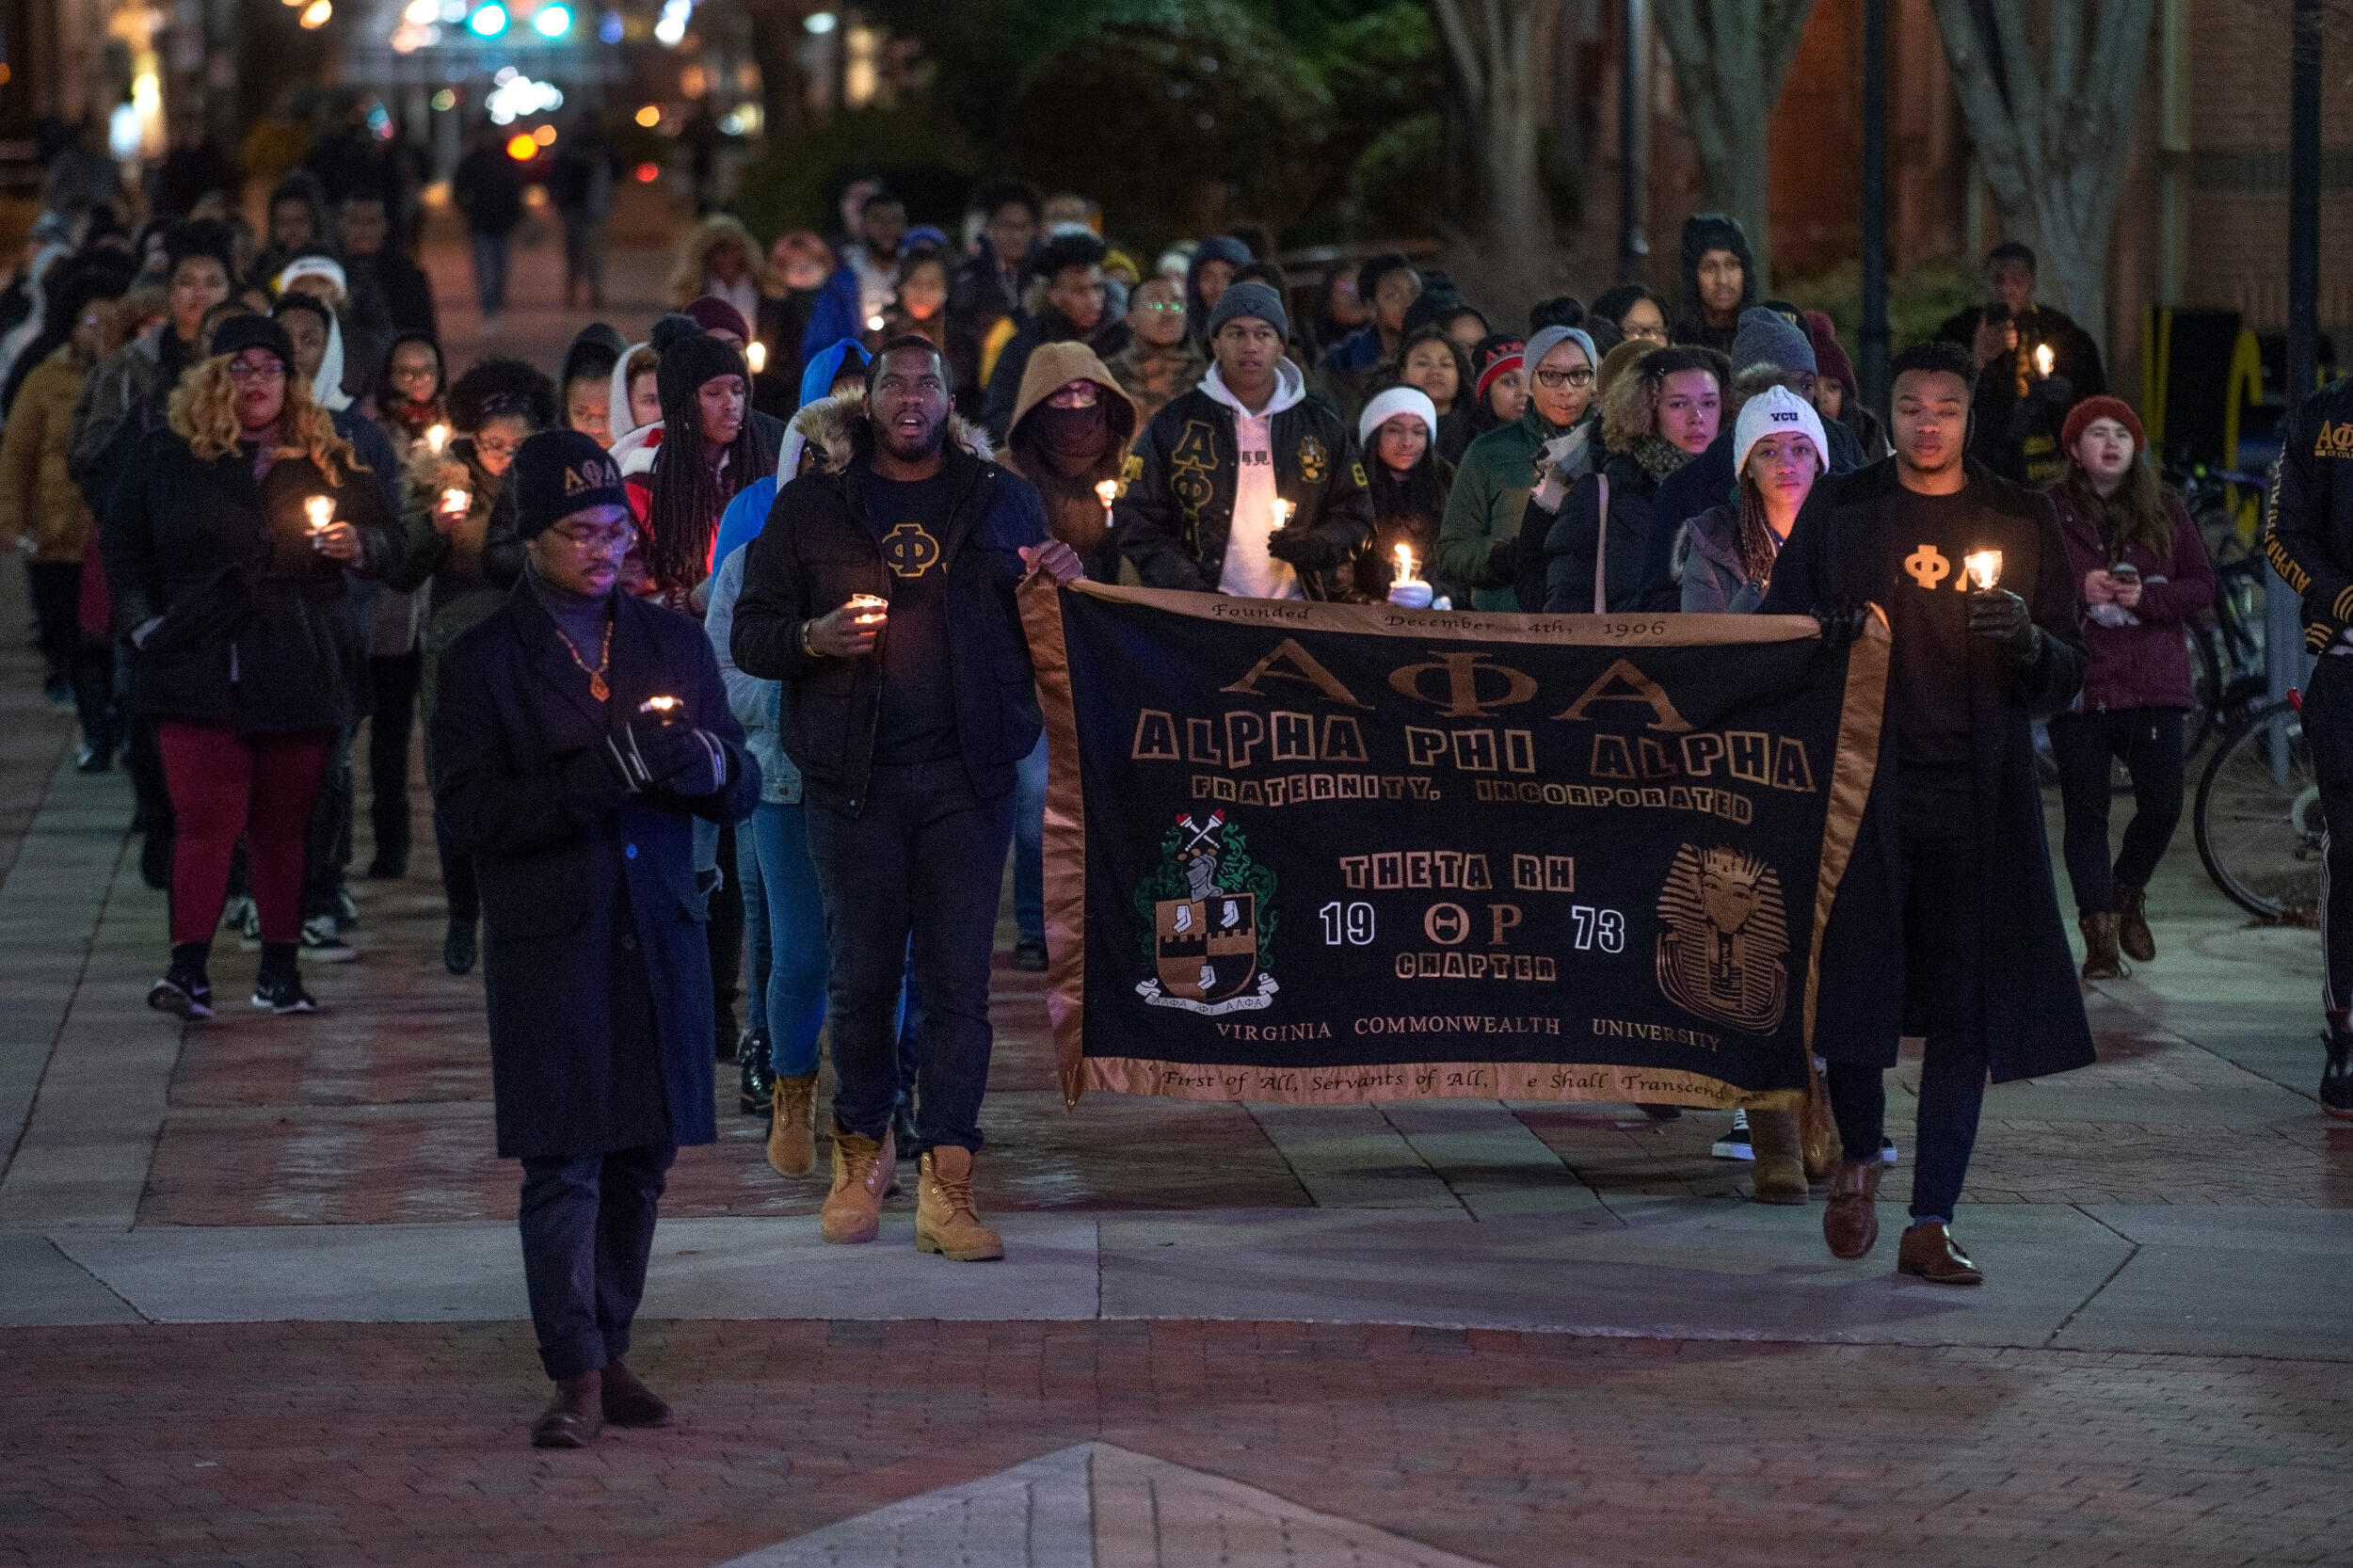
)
(1983, 568)
(456, 501)
(322, 511)
(2043, 359)
(756, 355)
(1405, 564)
(1107, 492)
(1283, 510)
(870, 609)
(663, 707)
(435, 438)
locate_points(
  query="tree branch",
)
(1459, 44)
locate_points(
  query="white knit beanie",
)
(1776, 408)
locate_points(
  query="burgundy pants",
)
(224, 784)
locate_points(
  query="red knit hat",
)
(1505, 361)
(2083, 413)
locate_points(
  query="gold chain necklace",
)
(597, 687)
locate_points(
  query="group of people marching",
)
(715, 636)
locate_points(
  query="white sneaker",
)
(322, 944)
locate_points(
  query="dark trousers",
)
(724, 934)
(925, 860)
(327, 849)
(1944, 955)
(2149, 742)
(396, 678)
(2328, 731)
(587, 1226)
(83, 662)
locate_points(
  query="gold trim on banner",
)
(1065, 844)
(1850, 777)
(1486, 1081)
(1660, 630)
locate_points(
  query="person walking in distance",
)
(882, 596)
(489, 191)
(2307, 537)
(579, 734)
(1948, 923)
(2141, 572)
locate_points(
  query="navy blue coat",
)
(1845, 546)
(597, 966)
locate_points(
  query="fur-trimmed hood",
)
(831, 425)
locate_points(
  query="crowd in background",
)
(257, 507)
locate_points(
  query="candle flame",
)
(1283, 510)
(454, 499)
(2045, 359)
(1107, 492)
(1404, 563)
(435, 438)
(322, 510)
(1983, 568)
(755, 354)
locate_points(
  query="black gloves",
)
(673, 757)
(1841, 621)
(1299, 546)
(2002, 616)
(2057, 390)
(1503, 563)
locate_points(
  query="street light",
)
(318, 14)
(553, 21)
(490, 21)
(820, 23)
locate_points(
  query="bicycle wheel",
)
(2258, 821)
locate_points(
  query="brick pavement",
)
(300, 1444)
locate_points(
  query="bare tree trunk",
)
(1730, 59)
(1499, 48)
(2050, 98)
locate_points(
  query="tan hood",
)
(830, 424)
(1054, 364)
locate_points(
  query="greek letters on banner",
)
(1313, 853)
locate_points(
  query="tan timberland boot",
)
(861, 1174)
(792, 1127)
(1778, 1172)
(944, 1220)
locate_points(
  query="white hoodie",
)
(1249, 572)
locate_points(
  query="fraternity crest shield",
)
(1208, 909)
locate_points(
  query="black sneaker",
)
(756, 1084)
(182, 995)
(91, 759)
(2336, 1076)
(281, 993)
(1029, 954)
(1735, 1143)
(323, 944)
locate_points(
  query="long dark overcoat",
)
(593, 917)
(1848, 544)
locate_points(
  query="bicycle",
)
(2258, 819)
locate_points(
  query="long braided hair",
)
(690, 491)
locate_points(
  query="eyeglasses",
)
(256, 369)
(485, 447)
(1556, 380)
(1162, 307)
(614, 540)
(416, 373)
(1649, 334)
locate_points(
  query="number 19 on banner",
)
(1351, 923)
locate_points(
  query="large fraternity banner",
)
(1313, 852)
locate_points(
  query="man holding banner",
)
(1954, 858)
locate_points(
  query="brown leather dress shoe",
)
(628, 1402)
(1850, 1222)
(2101, 958)
(575, 1416)
(1929, 1251)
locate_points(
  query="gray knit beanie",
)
(1766, 337)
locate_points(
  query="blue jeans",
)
(794, 1005)
(757, 947)
(923, 862)
(490, 272)
(1029, 845)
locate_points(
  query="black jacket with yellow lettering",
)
(1178, 512)
(2308, 533)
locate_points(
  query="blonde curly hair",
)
(1629, 409)
(694, 260)
(204, 413)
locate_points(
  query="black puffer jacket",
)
(249, 633)
(2308, 536)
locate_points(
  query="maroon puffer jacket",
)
(2145, 665)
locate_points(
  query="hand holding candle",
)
(1982, 570)
(435, 438)
(2045, 360)
(1406, 591)
(1995, 612)
(337, 541)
